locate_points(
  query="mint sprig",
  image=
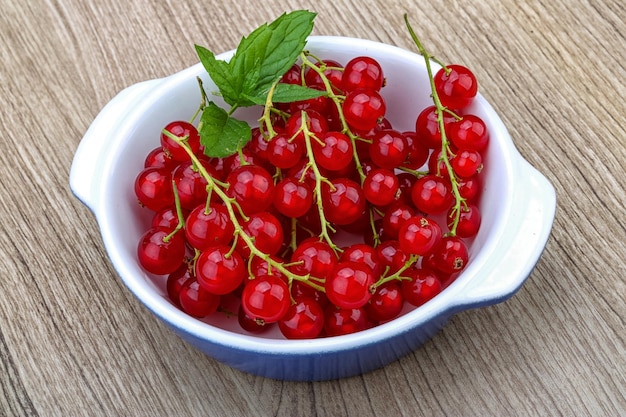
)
(260, 60)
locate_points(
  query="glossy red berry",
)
(160, 252)
(183, 130)
(363, 109)
(292, 197)
(341, 321)
(469, 133)
(343, 201)
(456, 86)
(196, 301)
(220, 270)
(452, 255)
(252, 187)
(315, 257)
(265, 230)
(469, 220)
(335, 151)
(419, 235)
(266, 298)
(427, 127)
(283, 152)
(303, 320)
(386, 302)
(432, 194)
(205, 228)
(153, 188)
(423, 285)
(381, 186)
(362, 72)
(389, 149)
(349, 285)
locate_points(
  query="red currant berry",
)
(156, 158)
(349, 285)
(364, 254)
(423, 286)
(432, 194)
(418, 151)
(292, 197)
(380, 187)
(175, 282)
(419, 235)
(394, 217)
(301, 289)
(469, 220)
(166, 217)
(467, 163)
(205, 228)
(160, 252)
(389, 148)
(469, 133)
(335, 151)
(153, 188)
(183, 130)
(249, 324)
(196, 301)
(304, 320)
(391, 256)
(363, 109)
(315, 257)
(427, 127)
(191, 184)
(386, 303)
(341, 321)
(343, 201)
(333, 70)
(470, 188)
(252, 187)
(293, 75)
(266, 298)
(315, 124)
(265, 230)
(283, 152)
(456, 86)
(452, 255)
(258, 144)
(220, 270)
(362, 72)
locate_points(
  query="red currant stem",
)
(445, 144)
(337, 100)
(266, 120)
(293, 241)
(318, 186)
(373, 226)
(415, 172)
(179, 214)
(396, 275)
(203, 100)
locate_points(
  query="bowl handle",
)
(534, 207)
(85, 165)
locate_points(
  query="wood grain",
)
(73, 340)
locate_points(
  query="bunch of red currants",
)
(329, 220)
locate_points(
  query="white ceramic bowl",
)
(518, 206)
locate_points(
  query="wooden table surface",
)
(75, 342)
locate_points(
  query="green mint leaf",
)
(221, 75)
(287, 93)
(289, 34)
(269, 51)
(220, 134)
